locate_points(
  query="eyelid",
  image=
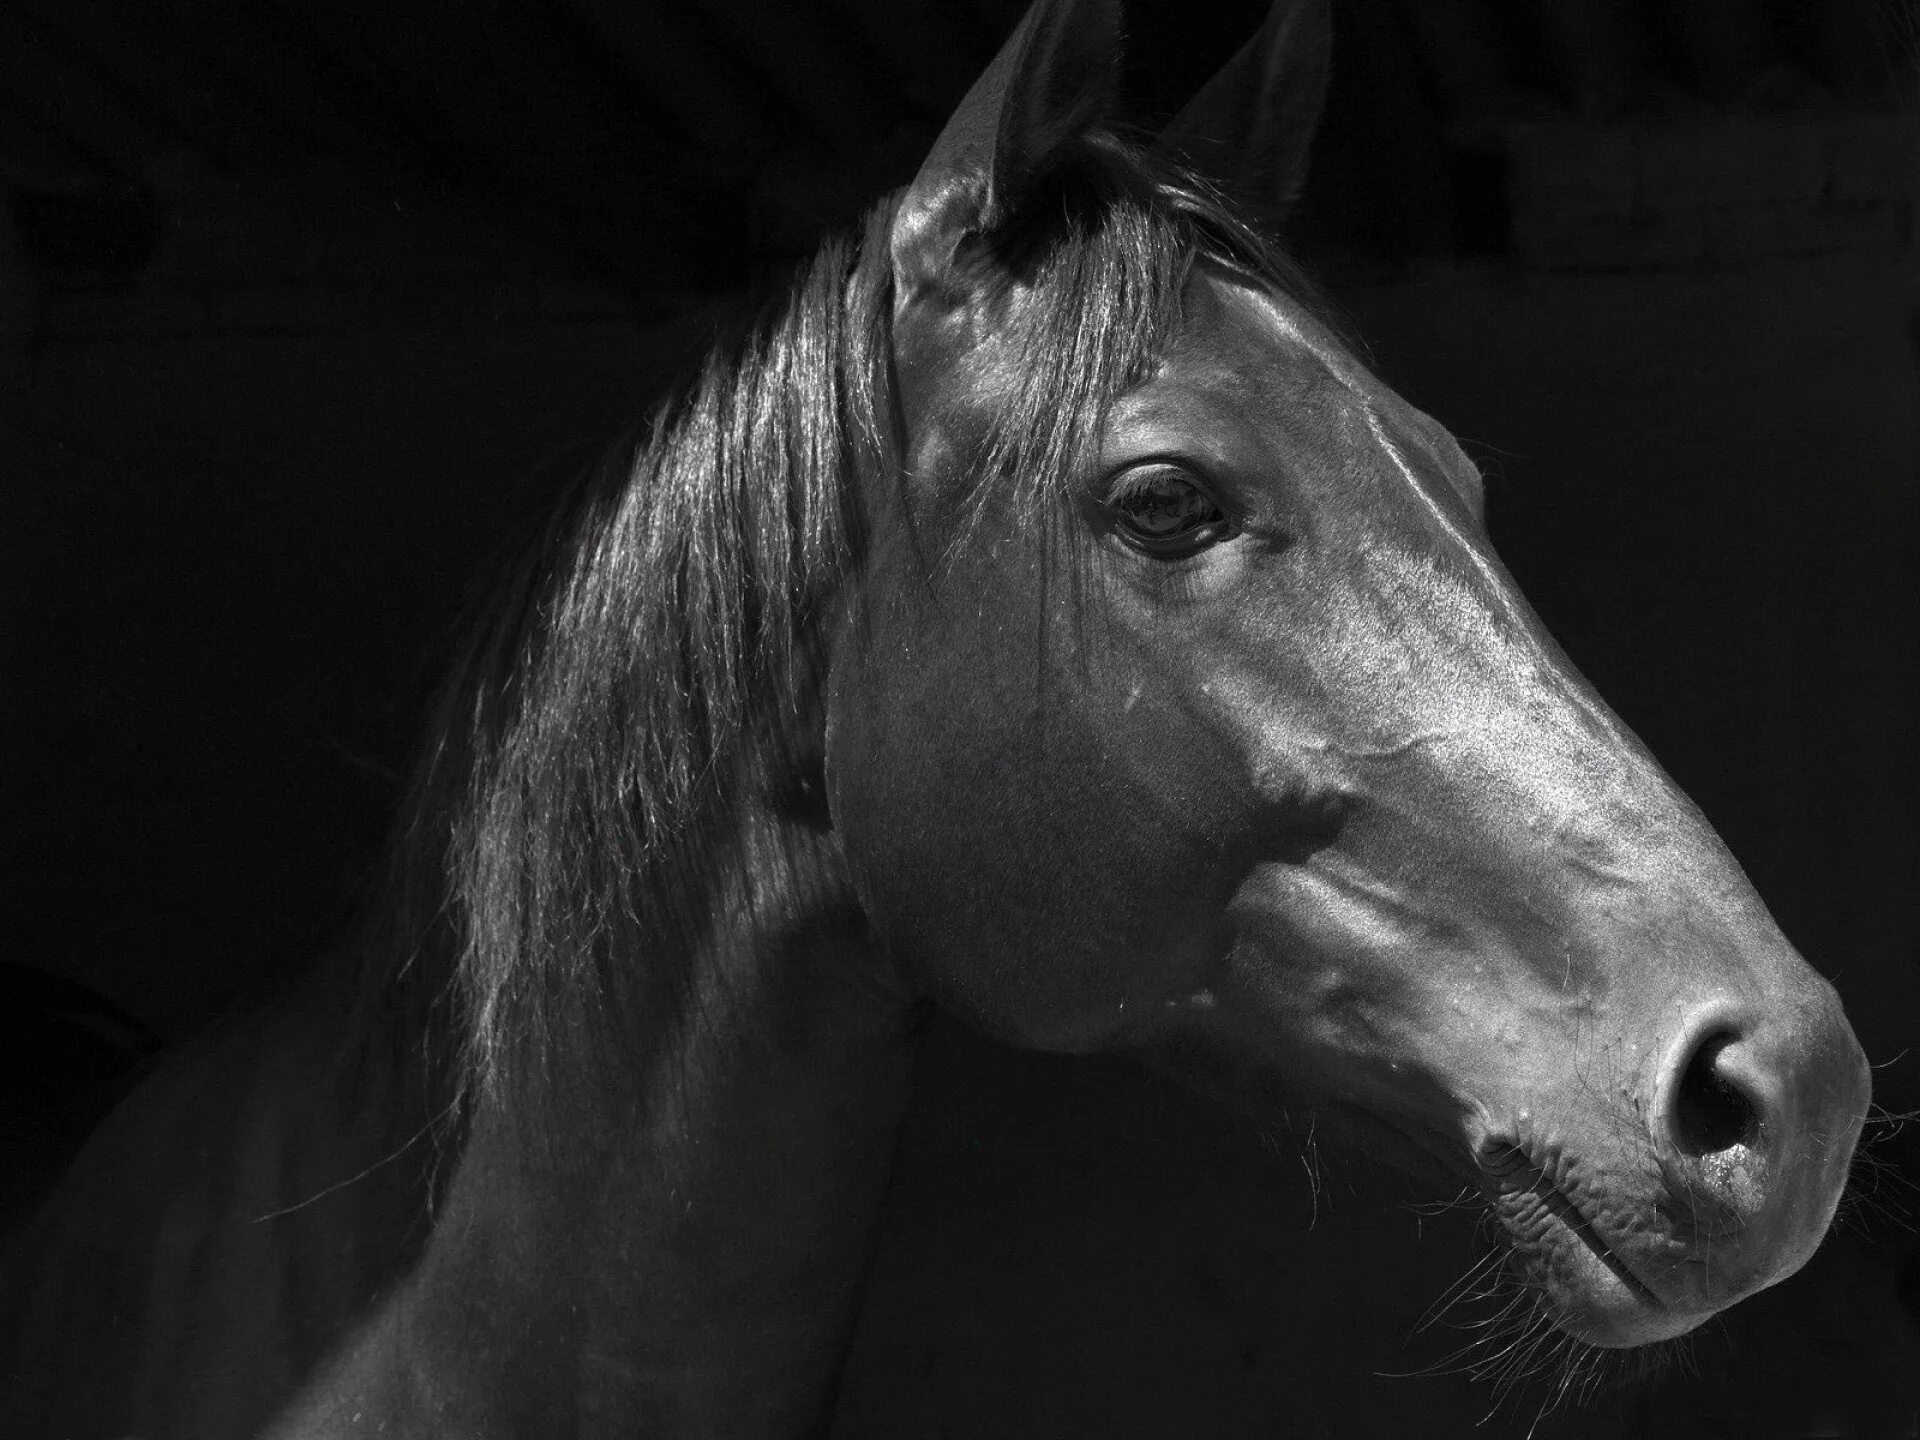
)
(1114, 484)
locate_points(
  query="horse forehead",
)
(1249, 357)
(1264, 354)
(1254, 322)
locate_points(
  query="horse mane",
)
(553, 864)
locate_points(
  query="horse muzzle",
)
(1640, 1215)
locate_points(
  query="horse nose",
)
(1715, 1104)
(1755, 1118)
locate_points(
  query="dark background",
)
(304, 309)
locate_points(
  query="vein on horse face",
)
(1462, 546)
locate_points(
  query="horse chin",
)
(1591, 1295)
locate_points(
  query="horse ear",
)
(1250, 127)
(1055, 78)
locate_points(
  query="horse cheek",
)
(1028, 860)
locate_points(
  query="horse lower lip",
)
(1571, 1216)
(1575, 1220)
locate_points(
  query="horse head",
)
(1182, 708)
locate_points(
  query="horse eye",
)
(1160, 508)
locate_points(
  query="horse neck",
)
(676, 1249)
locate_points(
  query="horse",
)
(1040, 612)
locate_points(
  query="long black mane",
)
(552, 869)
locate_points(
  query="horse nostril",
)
(1710, 1112)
